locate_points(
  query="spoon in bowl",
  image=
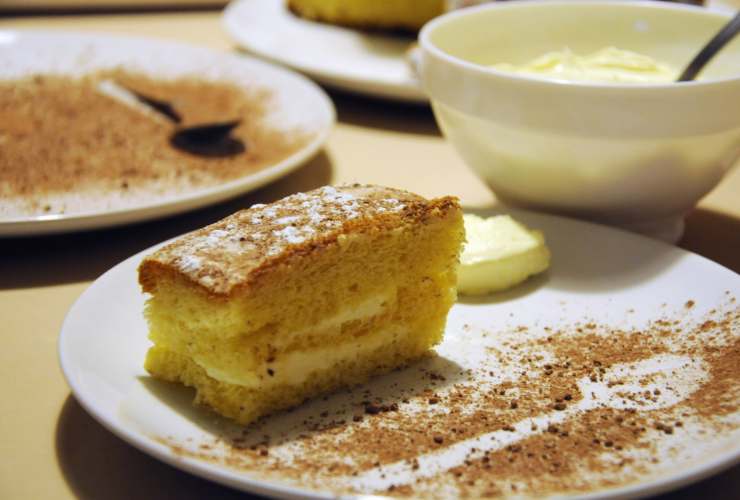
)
(208, 139)
(719, 40)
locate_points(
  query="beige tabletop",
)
(50, 447)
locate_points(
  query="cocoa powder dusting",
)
(563, 409)
(68, 147)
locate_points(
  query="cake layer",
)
(245, 404)
(295, 364)
(233, 253)
(297, 367)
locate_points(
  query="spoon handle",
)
(726, 34)
(160, 106)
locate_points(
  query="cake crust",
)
(230, 255)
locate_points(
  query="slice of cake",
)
(281, 302)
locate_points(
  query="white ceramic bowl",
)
(638, 156)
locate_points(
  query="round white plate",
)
(297, 104)
(372, 64)
(600, 274)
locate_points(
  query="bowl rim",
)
(428, 29)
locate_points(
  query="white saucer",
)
(372, 64)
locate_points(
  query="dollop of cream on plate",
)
(499, 253)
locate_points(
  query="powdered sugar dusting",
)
(290, 234)
(190, 263)
(223, 254)
(288, 220)
(215, 237)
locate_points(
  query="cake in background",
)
(407, 15)
(320, 290)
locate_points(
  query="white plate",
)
(600, 274)
(372, 64)
(297, 103)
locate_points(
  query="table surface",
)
(51, 447)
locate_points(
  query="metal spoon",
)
(207, 139)
(719, 40)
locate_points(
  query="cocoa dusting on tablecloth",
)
(542, 429)
(61, 135)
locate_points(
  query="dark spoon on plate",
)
(714, 45)
(206, 139)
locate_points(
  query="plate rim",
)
(224, 475)
(41, 225)
(407, 93)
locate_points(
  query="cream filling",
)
(372, 306)
(295, 367)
